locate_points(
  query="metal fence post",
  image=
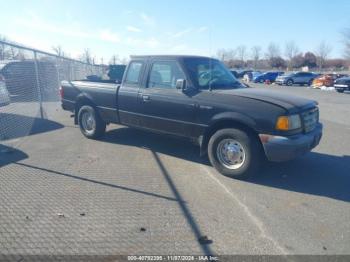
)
(38, 84)
(58, 75)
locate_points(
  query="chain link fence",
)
(29, 89)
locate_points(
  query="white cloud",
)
(109, 36)
(148, 20)
(202, 29)
(152, 42)
(133, 29)
(181, 33)
(29, 41)
(141, 42)
(34, 22)
(179, 48)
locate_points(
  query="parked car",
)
(250, 76)
(198, 98)
(4, 94)
(301, 78)
(21, 81)
(234, 73)
(342, 84)
(326, 80)
(241, 73)
(268, 76)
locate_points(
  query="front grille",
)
(310, 119)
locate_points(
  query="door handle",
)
(146, 98)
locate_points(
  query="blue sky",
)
(175, 26)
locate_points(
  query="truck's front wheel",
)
(90, 123)
(234, 153)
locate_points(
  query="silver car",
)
(4, 94)
(300, 78)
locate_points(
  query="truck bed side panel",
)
(102, 95)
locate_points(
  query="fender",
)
(225, 120)
(234, 116)
(82, 99)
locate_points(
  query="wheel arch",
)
(81, 100)
(243, 123)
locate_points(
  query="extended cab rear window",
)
(134, 71)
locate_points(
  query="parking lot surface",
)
(133, 192)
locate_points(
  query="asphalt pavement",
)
(133, 192)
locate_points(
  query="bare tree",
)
(58, 50)
(226, 54)
(86, 56)
(3, 48)
(13, 52)
(291, 50)
(231, 54)
(322, 53)
(241, 52)
(114, 60)
(346, 34)
(256, 53)
(272, 51)
(221, 53)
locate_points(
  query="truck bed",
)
(103, 95)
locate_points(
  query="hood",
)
(288, 102)
(342, 80)
(284, 76)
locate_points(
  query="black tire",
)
(252, 149)
(290, 82)
(98, 129)
(340, 90)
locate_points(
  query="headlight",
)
(286, 123)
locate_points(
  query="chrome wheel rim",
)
(230, 153)
(88, 122)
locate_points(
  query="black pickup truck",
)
(198, 98)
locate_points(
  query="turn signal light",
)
(282, 123)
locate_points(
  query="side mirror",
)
(181, 84)
(118, 82)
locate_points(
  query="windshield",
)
(207, 73)
(257, 74)
(289, 74)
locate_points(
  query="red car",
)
(326, 80)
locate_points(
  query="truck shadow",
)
(9, 155)
(165, 144)
(16, 126)
(314, 173)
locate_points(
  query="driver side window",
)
(164, 74)
(207, 73)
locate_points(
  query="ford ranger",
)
(198, 98)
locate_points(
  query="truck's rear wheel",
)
(234, 153)
(90, 123)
